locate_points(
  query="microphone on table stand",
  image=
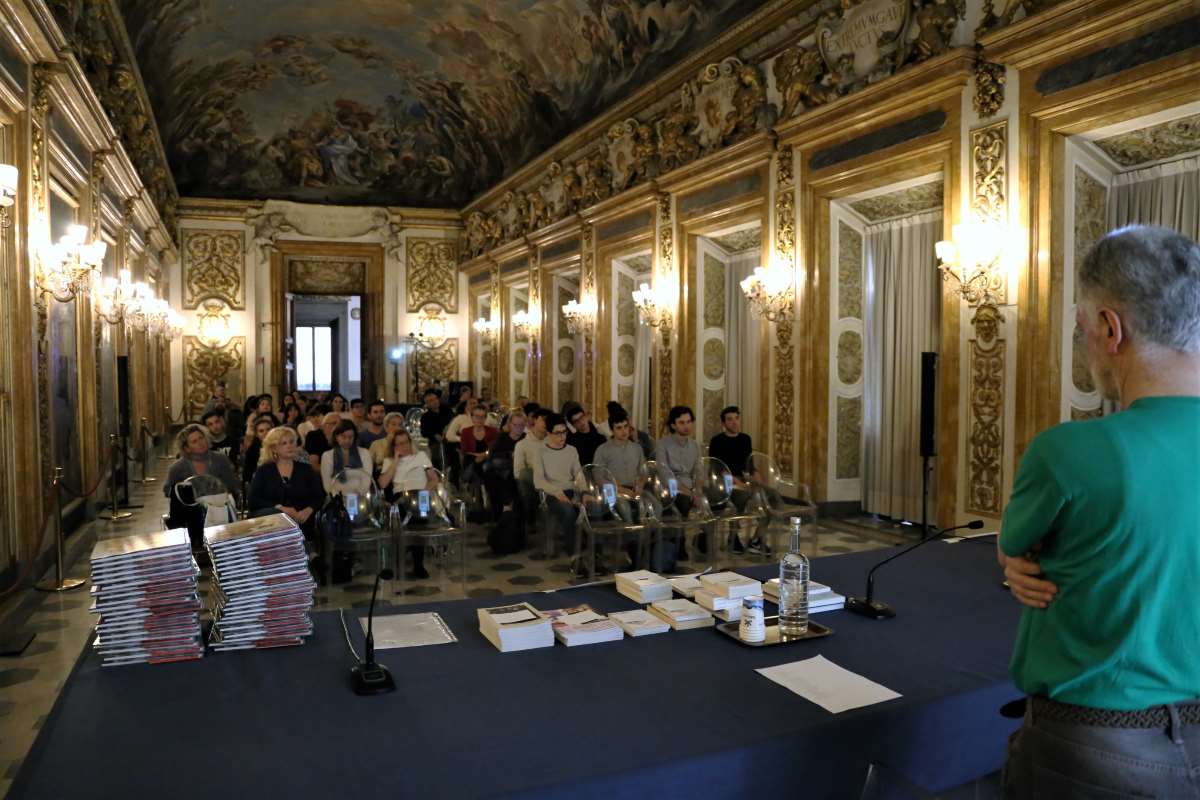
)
(868, 606)
(367, 676)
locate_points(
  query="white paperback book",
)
(730, 584)
(681, 614)
(715, 602)
(820, 596)
(639, 622)
(643, 586)
(582, 625)
(516, 627)
(686, 585)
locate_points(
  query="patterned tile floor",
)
(30, 683)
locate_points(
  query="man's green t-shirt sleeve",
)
(1035, 504)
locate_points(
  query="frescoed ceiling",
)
(1170, 139)
(397, 102)
(901, 203)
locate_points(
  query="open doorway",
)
(328, 339)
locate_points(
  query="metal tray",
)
(815, 631)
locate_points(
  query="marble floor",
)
(30, 683)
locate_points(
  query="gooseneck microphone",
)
(367, 676)
(868, 606)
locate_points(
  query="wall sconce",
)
(972, 261)
(652, 306)
(140, 313)
(114, 296)
(213, 323)
(769, 291)
(486, 328)
(174, 326)
(432, 327)
(8, 192)
(580, 316)
(66, 268)
(525, 324)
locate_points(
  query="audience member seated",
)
(358, 413)
(475, 441)
(195, 458)
(583, 436)
(528, 408)
(221, 440)
(261, 427)
(558, 473)
(499, 471)
(462, 418)
(623, 458)
(337, 402)
(433, 425)
(318, 441)
(680, 454)
(372, 430)
(733, 448)
(610, 408)
(312, 420)
(405, 469)
(392, 422)
(525, 457)
(281, 483)
(292, 418)
(345, 454)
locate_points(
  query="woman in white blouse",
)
(345, 454)
(404, 469)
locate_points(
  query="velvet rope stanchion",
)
(114, 513)
(60, 583)
(145, 453)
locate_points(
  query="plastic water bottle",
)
(793, 587)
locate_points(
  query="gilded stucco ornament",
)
(989, 87)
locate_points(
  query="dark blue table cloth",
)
(681, 713)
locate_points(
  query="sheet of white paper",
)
(514, 616)
(409, 630)
(580, 617)
(957, 539)
(831, 687)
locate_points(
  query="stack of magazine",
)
(820, 597)
(582, 625)
(519, 626)
(262, 588)
(144, 589)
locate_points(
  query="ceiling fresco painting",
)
(398, 102)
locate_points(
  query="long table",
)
(679, 713)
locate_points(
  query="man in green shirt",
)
(1101, 540)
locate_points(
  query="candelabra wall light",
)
(68, 267)
(653, 306)
(486, 328)
(972, 261)
(213, 323)
(114, 296)
(769, 291)
(525, 323)
(580, 316)
(432, 327)
(8, 192)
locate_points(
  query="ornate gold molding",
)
(499, 378)
(989, 87)
(537, 340)
(432, 274)
(587, 291)
(39, 109)
(213, 264)
(985, 472)
(203, 364)
(989, 192)
(665, 276)
(785, 253)
(436, 363)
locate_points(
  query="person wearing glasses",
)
(557, 472)
(583, 436)
(622, 457)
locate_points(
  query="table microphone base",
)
(372, 679)
(874, 609)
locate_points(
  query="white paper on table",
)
(409, 630)
(831, 687)
(579, 617)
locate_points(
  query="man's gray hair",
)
(1151, 275)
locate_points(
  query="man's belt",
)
(1155, 717)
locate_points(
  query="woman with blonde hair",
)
(407, 470)
(284, 483)
(379, 448)
(195, 458)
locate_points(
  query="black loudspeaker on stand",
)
(928, 428)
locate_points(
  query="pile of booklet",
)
(144, 589)
(722, 593)
(682, 614)
(686, 585)
(820, 597)
(643, 586)
(582, 625)
(639, 622)
(262, 588)
(516, 627)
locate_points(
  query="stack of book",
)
(144, 589)
(639, 622)
(643, 586)
(261, 586)
(681, 614)
(686, 585)
(820, 597)
(582, 625)
(727, 609)
(730, 585)
(516, 627)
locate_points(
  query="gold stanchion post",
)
(145, 453)
(114, 513)
(61, 582)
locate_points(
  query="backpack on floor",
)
(508, 535)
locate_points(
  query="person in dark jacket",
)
(284, 483)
